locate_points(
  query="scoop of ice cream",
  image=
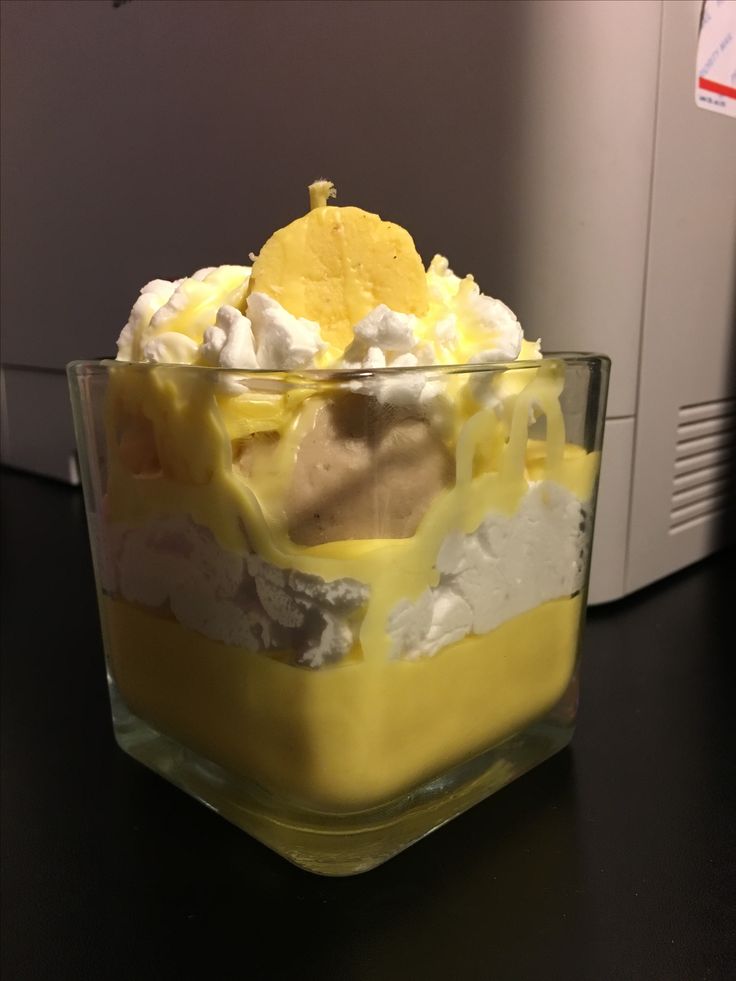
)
(168, 314)
(363, 473)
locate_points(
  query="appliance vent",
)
(705, 460)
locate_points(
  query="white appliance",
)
(551, 147)
(644, 269)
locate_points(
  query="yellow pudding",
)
(354, 735)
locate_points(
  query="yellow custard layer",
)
(353, 735)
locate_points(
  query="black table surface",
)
(614, 860)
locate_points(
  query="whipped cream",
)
(509, 565)
(176, 566)
(387, 339)
(470, 326)
(205, 319)
(283, 342)
(268, 338)
(184, 306)
(230, 342)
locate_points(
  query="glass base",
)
(339, 844)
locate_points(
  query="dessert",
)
(343, 540)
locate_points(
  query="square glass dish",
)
(337, 619)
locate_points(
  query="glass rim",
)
(105, 365)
